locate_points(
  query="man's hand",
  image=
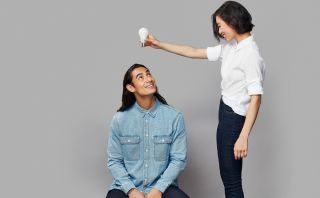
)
(134, 193)
(154, 193)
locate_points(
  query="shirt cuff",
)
(161, 186)
(255, 88)
(127, 186)
(213, 53)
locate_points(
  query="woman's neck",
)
(243, 36)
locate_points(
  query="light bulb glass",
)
(143, 33)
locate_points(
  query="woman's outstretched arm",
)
(182, 50)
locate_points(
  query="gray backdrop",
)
(62, 64)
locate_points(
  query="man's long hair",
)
(128, 98)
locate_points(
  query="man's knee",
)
(174, 192)
(116, 193)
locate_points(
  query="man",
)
(147, 142)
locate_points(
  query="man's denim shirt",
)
(147, 148)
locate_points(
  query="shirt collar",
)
(244, 42)
(152, 111)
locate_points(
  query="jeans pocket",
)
(161, 147)
(130, 147)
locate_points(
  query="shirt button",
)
(146, 150)
(146, 165)
(128, 140)
(147, 135)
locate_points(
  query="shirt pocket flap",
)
(162, 139)
(129, 139)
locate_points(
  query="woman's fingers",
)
(245, 153)
(240, 148)
(240, 153)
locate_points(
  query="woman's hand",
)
(241, 148)
(152, 42)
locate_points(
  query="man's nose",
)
(149, 78)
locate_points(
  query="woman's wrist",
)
(244, 135)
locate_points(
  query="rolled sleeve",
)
(255, 88)
(254, 70)
(214, 53)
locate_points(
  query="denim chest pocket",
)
(162, 147)
(130, 147)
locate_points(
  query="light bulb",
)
(143, 33)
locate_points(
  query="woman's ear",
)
(130, 88)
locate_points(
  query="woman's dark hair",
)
(128, 98)
(235, 15)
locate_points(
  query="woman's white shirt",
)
(242, 71)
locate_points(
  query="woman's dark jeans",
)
(228, 131)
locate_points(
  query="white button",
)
(146, 165)
(146, 150)
(147, 135)
(162, 140)
(128, 140)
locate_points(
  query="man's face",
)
(143, 83)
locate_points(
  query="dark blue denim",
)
(228, 131)
(170, 192)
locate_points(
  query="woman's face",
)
(227, 32)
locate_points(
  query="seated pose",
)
(147, 148)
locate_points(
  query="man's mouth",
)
(149, 86)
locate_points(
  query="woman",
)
(242, 73)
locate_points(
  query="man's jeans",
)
(171, 192)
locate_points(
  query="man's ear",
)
(130, 88)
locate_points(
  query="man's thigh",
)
(174, 192)
(116, 193)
